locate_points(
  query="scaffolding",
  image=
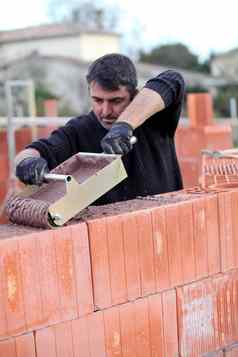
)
(14, 121)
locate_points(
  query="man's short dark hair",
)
(112, 70)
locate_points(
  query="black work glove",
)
(32, 170)
(117, 140)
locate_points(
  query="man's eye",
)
(117, 101)
(97, 100)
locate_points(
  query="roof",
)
(47, 31)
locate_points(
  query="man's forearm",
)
(24, 154)
(146, 103)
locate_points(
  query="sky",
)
(205, 26)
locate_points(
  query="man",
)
(119, 112)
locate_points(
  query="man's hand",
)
(31, 170)
(118, 139)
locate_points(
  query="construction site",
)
(155, 276)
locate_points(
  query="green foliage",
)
(196, 89)
(66, 111)
(222, 100)
(174, 55)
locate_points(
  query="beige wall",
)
(85, 47)
(97, 45)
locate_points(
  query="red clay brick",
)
(45, 342)
(234, 210)
(48, 278)
(200, 109)
(200, 238)
(8, 348)
(4, 167)
(80, 338)
(116, 260)
(100, 262)
(50, 107)
(96, 334)
(170, 323)
(64, 339)
(189, 142)
(128, 329)
(3, 317)
(25, 346)
(160, 248)
(213, 241)
(82, 269)
(12, 287)
(30, 268)
(185, 215)
(156, 325)
(112, 332)
(226, 234)
(65, 273)
(224, 309)
(146, 252)
(234, 303)
(190, 170)
(131, 253)
(196, 318)
(3, 142)
(217, 282)
(23, 137)
(174, 245)
(218, 137)
(142, 332)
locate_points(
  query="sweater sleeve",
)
(170, 85)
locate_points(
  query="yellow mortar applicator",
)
(71, 187)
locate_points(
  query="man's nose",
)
(106, 109)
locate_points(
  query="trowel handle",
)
(133, 140)
(57, 177)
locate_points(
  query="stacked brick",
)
(202, 133)
(219, 169)
(152, 277)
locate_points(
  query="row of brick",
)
(146, 327)
(207, 315)
(131, 255)
(191, 321)
(147, 251)
(111, 260)
(44, 278)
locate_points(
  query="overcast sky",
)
(205, 26)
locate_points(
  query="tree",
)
(175, 55)
(94, 15)
(222, 100)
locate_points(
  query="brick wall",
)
(160, 279)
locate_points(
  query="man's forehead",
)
(96, 89)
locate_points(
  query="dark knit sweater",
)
(151, 165)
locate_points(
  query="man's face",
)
(108, 105)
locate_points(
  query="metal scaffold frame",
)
(14, 122)
(9, 85)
